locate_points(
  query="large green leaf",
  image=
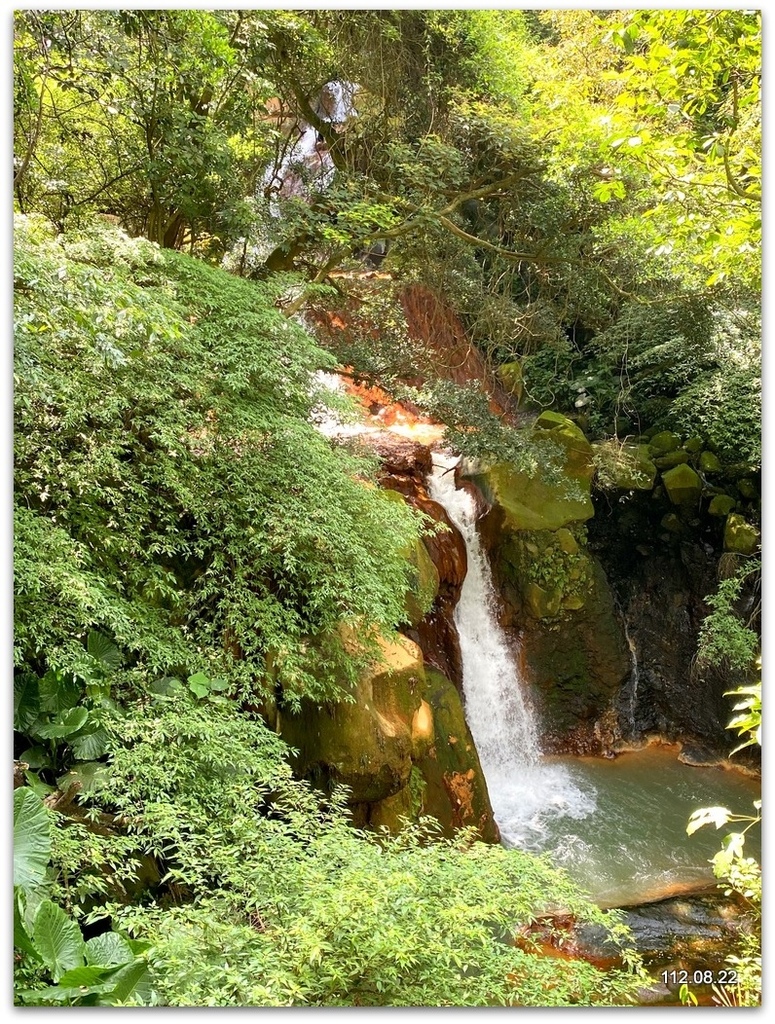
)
(58, 939)
(103, 650)
(132, 980)
(67, 724)
(26, 701)
(31, 839)
(90, 774)
(91, 744)
(21, 939)
(58, 692)
(108, 950)
(93, 974)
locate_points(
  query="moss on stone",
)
(663, 442)
(455, 791)
(710, 463)
(740, 536)
(676, 458)
(549, 569)
(531, 502)
(367, 745)
(721, 505)
(682, 485)
(578, 663)
(424, 591)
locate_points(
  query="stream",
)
(617, 826)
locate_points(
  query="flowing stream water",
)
(618, 827)
(526, 792)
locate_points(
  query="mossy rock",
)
(420, 597)
(663, 442)
(455, 790)
(577, 662)
(542, 604)
(510, 375)
(682, 484)
(426, 588)
(710, 463)
(721, 505)
(531, 502)
(624, 467)
(748, 488)
(549, 570)
(671, 522)
(694, 445)
(740, 536)
(566, 541)
(391, 813)
(367, 745)
(676, 458)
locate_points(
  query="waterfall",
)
(635, 667)
(526, 791)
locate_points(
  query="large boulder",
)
(682, 484)
(740, 536)
(531, 502)
(578, 661)
(403, 747)
(366, 745)
(454, 791)
(550, 569)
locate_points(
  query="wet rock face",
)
(578, 662)
(454, 789)
(661, 580)
(405, 466)
(692, 931)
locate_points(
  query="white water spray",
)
(526, 792)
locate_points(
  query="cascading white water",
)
(526, 792)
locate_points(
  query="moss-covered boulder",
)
(454, 791)
(740, 536)
(532, 502)
(577, 662)
(393, 811)
(625, 467)
(663, 442)
(367, 745)
(676, 458)
(721, 505)
(710, 463)
(682, 484)
(403, 747)
(747, 488)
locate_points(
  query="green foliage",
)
(723, 404)
(48, 941)
(740, 874)
(160, 430)
(725, 637)
(279, 901)
(133, 113)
